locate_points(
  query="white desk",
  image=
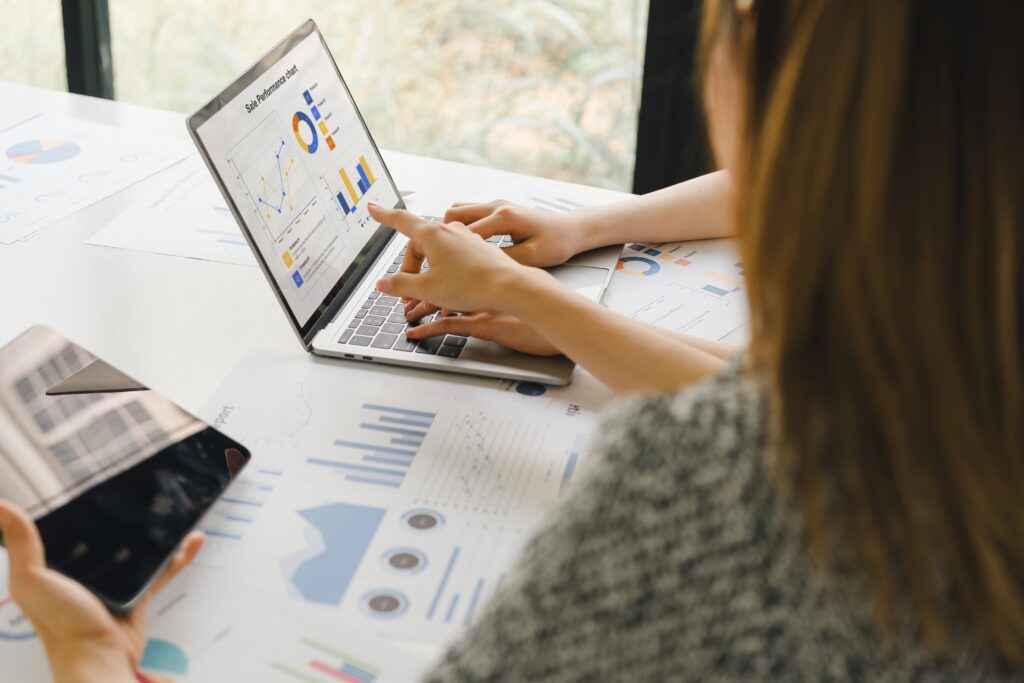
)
(175, 324)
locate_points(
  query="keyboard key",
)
(398, 260)
(368, 331)
(360, 315)
(404, 344)
(453, 340)
(449, 351)
(383, 311)
(354, 323)
(397, 318)
(367, 304)
(345, 336)
(373, 320)
(429, 345)
(387, 301)
(392, 268)
(393, 328)
(494, 239)
(399, 308)
(374, 294)
(360, 341)
(384, 341)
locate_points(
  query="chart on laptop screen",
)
(301, 168)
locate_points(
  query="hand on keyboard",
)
(496, 327)
(466, 273)
(531, 236)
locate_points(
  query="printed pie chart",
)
(43, 151)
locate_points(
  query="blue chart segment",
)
(383, 448)
(272, 197)
(449, 605)
(164, 657)
(570, 464)
(346, 532)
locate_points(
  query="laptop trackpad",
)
(584, 280)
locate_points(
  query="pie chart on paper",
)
(43, 151)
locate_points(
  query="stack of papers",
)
(53, 167)
(186, 216)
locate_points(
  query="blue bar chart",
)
(382, 447)
(455, 600)
(236, 510)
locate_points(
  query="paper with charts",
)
(54, 166)
(697, 288)
(205, 628)
(397, 502)
(185, 216)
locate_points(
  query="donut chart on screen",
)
(301, 117)
(43, 151)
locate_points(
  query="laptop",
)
(297, 165)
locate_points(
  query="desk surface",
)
(176, 324)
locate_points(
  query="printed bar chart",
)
(235, 512)
(388, 441)
(340, 667)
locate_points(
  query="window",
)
(547, 87)
(32, 50)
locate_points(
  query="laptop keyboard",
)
(381, 323)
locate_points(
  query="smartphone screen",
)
(114, 474)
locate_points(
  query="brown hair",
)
(881, 221)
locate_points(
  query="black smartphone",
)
(114, 474)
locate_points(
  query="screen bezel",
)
(371, 251)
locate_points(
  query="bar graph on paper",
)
(228, 522)
(381, 449)
(321, 662)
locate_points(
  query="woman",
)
(843, 503)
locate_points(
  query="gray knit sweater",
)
(675, 559)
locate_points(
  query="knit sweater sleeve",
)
(633, 577)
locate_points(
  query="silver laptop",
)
(297, 165)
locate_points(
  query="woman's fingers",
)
(492, 225)
(403, 221)
(421, 309)
(187, 552)
(463, 325)
(405, 285)
(24, 545)
(183, 557)
(468, 213)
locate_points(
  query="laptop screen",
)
(299, 166)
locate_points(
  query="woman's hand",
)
(540, 238)
(83, 640)
(497, 327)
(466, 273)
